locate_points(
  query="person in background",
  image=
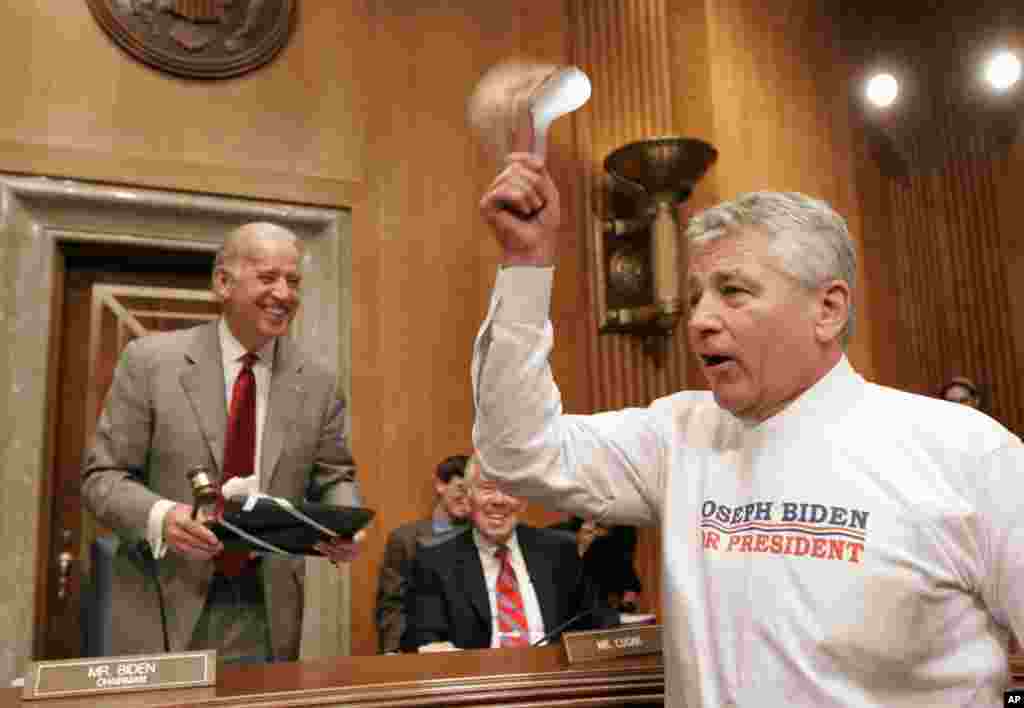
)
(450, 516)
(825, 541)
(505, 584)
(238, 397)
(961, 390)
(607, 553)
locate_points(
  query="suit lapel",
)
(469, 575)
(203, 382)
(286, 399)
(542, 575)
(424, 533)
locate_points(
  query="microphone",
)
(565, 625)
(581, 584)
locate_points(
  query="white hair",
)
(239, 242)
(811, 240)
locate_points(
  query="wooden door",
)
(108, 296)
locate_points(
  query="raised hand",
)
(523, 208)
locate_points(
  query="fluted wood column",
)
(638, 53)
(647, 60)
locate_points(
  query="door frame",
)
(104, 305)
(37, 215)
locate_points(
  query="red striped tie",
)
(513, 628)
(239, 449)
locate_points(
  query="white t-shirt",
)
(863, 547)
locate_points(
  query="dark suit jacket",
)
(401, 548)
(165, 413)
(609, 559)
(447, 596)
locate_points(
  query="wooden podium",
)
(493, 677)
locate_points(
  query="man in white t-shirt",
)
(826, 541)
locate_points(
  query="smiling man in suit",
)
(239, 398)
(504, 584)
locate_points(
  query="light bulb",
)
(882, 90)
(1003, 70)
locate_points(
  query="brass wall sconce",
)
(638, 248)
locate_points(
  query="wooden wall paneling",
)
(291, 130)
(1009, 184)
(878, 258)
(426, 261)
(955, 295)
(920, 344)
(624, 48)
(948, 206)
(410, 285)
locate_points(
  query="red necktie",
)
(513, 628)
(239, 449)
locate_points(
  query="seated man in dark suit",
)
(450, 516)
(503, 584)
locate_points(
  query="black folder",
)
(273, 524)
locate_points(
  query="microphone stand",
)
(562, 627)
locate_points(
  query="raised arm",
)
(597, 465)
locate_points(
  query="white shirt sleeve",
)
(606, 466)
(155, 526)
(1000, 476)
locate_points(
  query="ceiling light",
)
(1003, 70)
(882, 90)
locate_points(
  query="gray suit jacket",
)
(401, 548)
(165, 413)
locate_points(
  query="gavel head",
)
(203, 488)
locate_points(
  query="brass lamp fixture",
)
(638, 248)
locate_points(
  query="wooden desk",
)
(496, 677)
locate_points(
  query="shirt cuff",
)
(523, 294)
(155, 526)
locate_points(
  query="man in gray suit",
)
(168, 411)
(450, 517)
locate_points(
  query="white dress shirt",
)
(492, 568)
(862, 548)
(232, 352)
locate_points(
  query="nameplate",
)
(120, 674)
(599, 644)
